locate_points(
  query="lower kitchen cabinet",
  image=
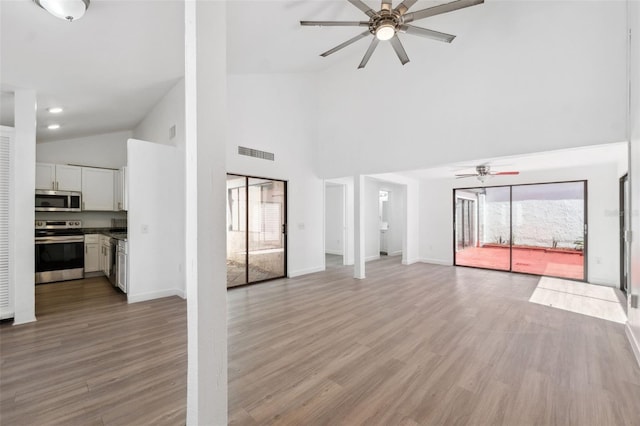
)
(92, 253)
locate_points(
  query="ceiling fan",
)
(483, 171)
(386, 23)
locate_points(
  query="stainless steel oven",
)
(59, 248)
(58, 201)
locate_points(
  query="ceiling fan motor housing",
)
(385, 18)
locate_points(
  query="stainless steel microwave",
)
(58, 201)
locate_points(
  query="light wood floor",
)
(419, 344)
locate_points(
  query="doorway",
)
(537, 229)
(256, 229)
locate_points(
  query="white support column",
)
(206, 116)
(358, 225)
(23, 214)
(411, 243)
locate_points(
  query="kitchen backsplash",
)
(89, 219)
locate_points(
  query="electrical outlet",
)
(172, 132)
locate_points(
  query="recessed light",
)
(55, 110)
(53, 126)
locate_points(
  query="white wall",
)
(478, 97)
(397, 218)
(169, 112)
(436, 228)
(334, 219)
(633, 326)
(155, 239)
(104, 150)
(277, 113)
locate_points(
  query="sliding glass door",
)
(256, 229)
(535, 229)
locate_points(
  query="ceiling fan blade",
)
(505, 173)
(423, 32)
(335, 23)
(385, 5)
(404, 6)
(465, 175)
(440, 9)
(397, 46)
(346, 43)
(363, 7)
(369, 52)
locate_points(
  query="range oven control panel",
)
(58, 224)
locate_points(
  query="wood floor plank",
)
(409, 345)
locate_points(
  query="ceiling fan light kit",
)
(386, 23)
(69, 10)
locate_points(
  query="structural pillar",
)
(205, 192)
(358, 227)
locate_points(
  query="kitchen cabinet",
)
(120, 190)
(97, 189)
(105, 255)
(122, 267)
(59, 177)
(92, 253)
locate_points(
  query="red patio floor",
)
(538, 261)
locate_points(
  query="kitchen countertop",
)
(117, 233)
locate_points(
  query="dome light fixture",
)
(53, 126)
(385, 31)
(55, 110)
(69, 10)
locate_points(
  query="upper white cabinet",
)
(97, 189)
(59, 177)
(120, 191)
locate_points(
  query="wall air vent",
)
(256, 153)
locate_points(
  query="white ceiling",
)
(110, 67)
(107, 69)
(560, 159)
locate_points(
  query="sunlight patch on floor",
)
(586, 299)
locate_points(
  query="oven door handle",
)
(59, 240)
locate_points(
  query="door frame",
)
(624, 258)
(285, 228)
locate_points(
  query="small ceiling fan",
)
(386, 23)
(483, 171)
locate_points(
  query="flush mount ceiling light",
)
(69, 10)
(55, 110)
(53, 126)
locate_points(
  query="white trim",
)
(155, 295)
(395, 253)
(436, 261)
(370, 258)
(293, 274)
(410, 261)
(635, 345)
(336, 252)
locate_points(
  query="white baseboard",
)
(336, 252)
(394, 253)
(370, 258)
(293, 274)
(635, 345)
(410, 261)
(135, 298)
(436, 261)
(17, 319)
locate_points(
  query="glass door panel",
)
(236, 231)
(266, 238)
(483, 228)
(548, 229)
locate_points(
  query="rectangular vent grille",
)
(256, 153)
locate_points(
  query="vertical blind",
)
(5, 182)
